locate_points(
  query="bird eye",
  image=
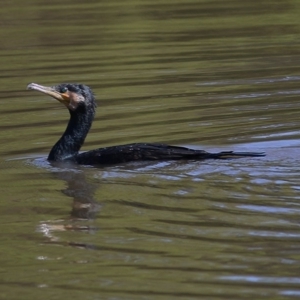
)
(64, 89)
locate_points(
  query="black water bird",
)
(80, 101)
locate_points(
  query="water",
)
(209, 75)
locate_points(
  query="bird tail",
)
(232, 154)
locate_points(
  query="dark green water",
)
(213, 75)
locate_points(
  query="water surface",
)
(209, 75)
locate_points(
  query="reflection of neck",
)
(71, 141)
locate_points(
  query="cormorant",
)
(80, 101)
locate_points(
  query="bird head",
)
(74, 96)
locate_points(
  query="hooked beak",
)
(61, 97)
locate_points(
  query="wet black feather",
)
(68, 146)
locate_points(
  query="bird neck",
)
(71, 141)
